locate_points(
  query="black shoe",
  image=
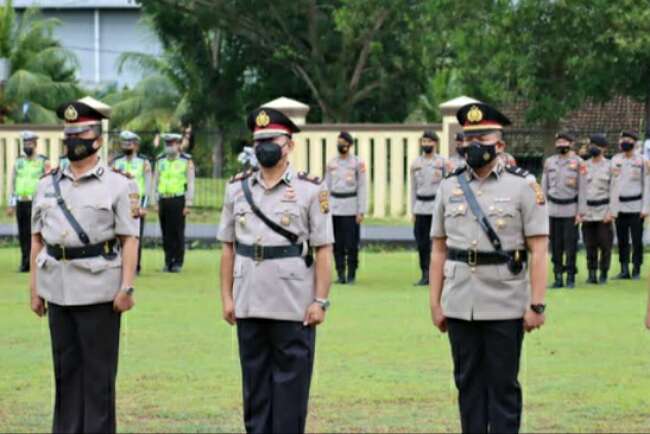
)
(636, 272)
(23, 269)
(571, 281)
(175, 269)
(166, 269)
(625, 272)
(558, 281)
(603, 277)
(341, 280)
(352, 278)
(424, 281)
(592, 277)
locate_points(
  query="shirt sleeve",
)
(144, 200)
(413, 188)
(12, 189)
(534, 213)
(37, 209)
(321, 231)
(127, 208)
(438, 217)
(363, 188)
(154, 186)
(582, 188)
(646, 187)
(226, 231)
(614, 190)
(545, 179)
(189, 194)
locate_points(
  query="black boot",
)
(625, 272)
(558, 281)
(603, 277)
(592, 277)
(636, 272)
(424, 280)
(352, 276)
(570, 281)
(341, 279)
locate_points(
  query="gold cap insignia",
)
(262, 119)
(475, 115)
(70, 113)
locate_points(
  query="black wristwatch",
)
(323, 303)
(538, 308)
(129, 291)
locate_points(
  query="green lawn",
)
(380, 364)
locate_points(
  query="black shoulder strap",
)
(479, 214)
(293, 238)
(83, 236)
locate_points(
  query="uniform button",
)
(473, 269)
(475, 242)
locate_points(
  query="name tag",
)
(456, 199)
(502, 199)
(49, 194)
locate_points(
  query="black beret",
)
(566, 136)
(481, 117)
(430, 135)
(598, 139)
(266, 123)
(630, 133)
(346, 136)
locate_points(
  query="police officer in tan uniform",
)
(561, 183)
(346, 180)
(458, 158)
(633, 181)
(272, 286)
(488, 272)
(427, 172)
(598, 207)
(506, 158)
(84, 253)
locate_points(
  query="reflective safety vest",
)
(134, 167)
(28, 172)
(172, 176)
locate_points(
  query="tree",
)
(43, 73)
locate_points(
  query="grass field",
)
(380, 364)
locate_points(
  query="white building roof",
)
(77, 4)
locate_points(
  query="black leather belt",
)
(429, 198)
(630, 198)
(598, 202)
(105, 249)
(343, 195)
(562, 201)
(260, 253)
(475, 257)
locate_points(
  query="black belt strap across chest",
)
(293, 238)
(479, 214)
(426, 198)
(105, 249)
(558, 201)
(343, 195)
(81, 233)
(630, 198)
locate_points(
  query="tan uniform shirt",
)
(279, 289)
(599, 185)
(561, 180)
(104, 203)
(633, 180)
(516, 209)
(426, 176)
(456, 161)
(347, 175)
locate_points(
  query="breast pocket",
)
(242, 213)
(289, 217)
(505, 221)
(95, 215)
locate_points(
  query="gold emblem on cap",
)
(70, 113)
(474, 115)
(262, 119)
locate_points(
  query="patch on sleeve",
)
(539, 193)
(324, 200)
(134, 200)
(583, 169)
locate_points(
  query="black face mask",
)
(343, 149)
(461, 151)
(268, 154)
(479, 155)
(78, 149)
(562, 149)
(427, 149)
(595, 151)
(627, 146)
(128, 152)
(28, 151)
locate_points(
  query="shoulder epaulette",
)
(186, 156)
(123, 173)
(457, 171)
(309, 178)
(517, 171)
(53, 171)
(241, 175)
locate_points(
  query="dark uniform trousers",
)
(564, 242)
(277, 358)
(347, 237)
(630, 224)
(598, 236)
(140, 245)
(172, 226)
(24, 220)
(85, 347)
(422, 233)
(486, 365)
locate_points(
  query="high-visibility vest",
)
(172, 176)
(28, 172)
(134, 167)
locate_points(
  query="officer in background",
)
(479, 282)
(561, 182)
(63, 159)
(28, 168)
(270, 285)
(506, 158)
(138, 167)
(634, 201)
(346, 181)
(427, 172)
(174, 192)
(84, 253)
(458, 158)
(598, 207)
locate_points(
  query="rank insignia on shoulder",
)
(323, 199)
(122, 172)
(310, 178)
(539, 193)
(457, 172)
(517, 171)
(241, 175)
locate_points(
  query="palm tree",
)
(42, 72)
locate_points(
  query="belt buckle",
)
(472, 257)
(258, 252)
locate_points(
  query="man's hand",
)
(38, 305)
(533, 320)
(439, 318)
(314, 316)
(11, 211)
(578, 219)
(359, 218)
(123, 302)
(229, 312)
(608, 218)
(186, 211)
(644, 215)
